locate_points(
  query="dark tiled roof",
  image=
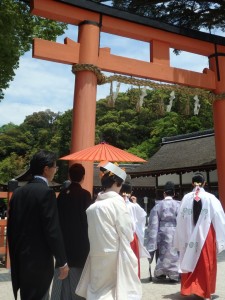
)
(181, 153)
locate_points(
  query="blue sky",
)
(40, 85)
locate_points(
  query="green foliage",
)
(17, 30)
(62, 141)
(190, 14)
(14, 140)
(139, 131)
(11, 166)
(7, 127)
(141, 150)
(127, 125)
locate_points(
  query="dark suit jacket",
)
(72, 204)
(34, 237)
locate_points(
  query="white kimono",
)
(110, 272)
(190, 239)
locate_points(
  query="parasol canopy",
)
(103, 151)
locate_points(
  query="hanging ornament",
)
(113, 95)
(140, 101)
(110, 98)
(197, 105)
(172, 97)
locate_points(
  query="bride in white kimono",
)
(111, 269)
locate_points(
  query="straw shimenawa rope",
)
(103, 79)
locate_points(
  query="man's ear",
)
(46, 168)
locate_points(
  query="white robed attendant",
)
(190, 239)
(110, 272)
(199, 237)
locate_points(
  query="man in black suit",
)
(34, 233)
(73, 201)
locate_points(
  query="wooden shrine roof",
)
(181, 154)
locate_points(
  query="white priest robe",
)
(111, 269)
(190, 239)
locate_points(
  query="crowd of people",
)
(91, 249)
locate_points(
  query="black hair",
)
(199, 178)
(102, 169)
(109, 179)
(169, 188)
(40, 160)
(126, 188)
(76, 172)
(197, 205)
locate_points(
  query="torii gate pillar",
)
(217, 64)
(158, 68)
(84, 107)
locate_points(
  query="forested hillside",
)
(129, 122)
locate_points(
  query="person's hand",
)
(63, 272)
(133, 199)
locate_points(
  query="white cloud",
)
(38, 85)
(126, 47)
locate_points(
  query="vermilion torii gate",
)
(91, 19)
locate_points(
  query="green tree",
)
(11, 166)
(14, 140)
(6, 127)
(137, 131)
(140, 132)
(193, 14)
(38, 120)
(61, 141)
(17, 30)
(36, 132)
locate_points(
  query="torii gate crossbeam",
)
(86, 51)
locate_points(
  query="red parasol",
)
(101, 152)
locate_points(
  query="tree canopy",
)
(197, 15)
(135, 128)
(17, 30)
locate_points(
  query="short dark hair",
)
(198, 178)
(169, 188)
(108, 180)
(126, 188)
(76, 172)
(40, 160)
